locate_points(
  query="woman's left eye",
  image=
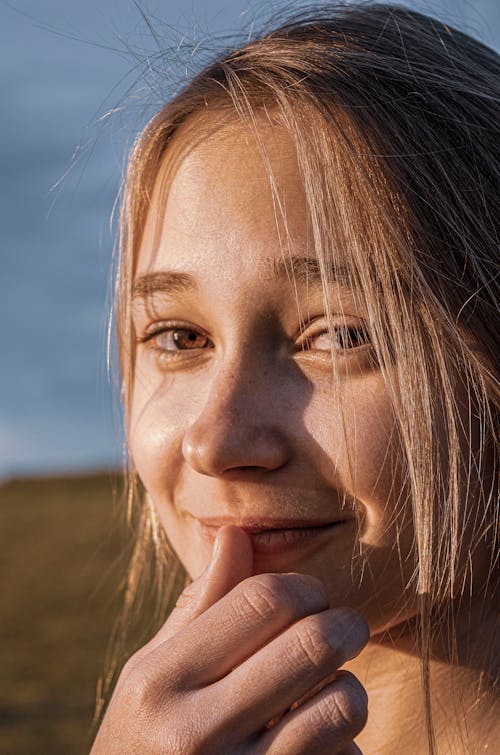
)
(342, 338)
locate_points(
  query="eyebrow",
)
(300, 269)
(309, 270)
(162, 281)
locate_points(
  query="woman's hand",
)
(231, 660)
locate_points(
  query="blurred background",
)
(77, 81)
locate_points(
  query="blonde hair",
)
(395, 121)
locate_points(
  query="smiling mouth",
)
(276, 539)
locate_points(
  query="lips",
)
(273, 537)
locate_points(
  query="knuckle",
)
(143, 691)
(135, 688)
(312, 645)
(131, 676)
(141, 703)
(346, 705)
(292, 595)
(262, 596)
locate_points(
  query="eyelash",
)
(194, 333)
(173, 329)
(351, 331)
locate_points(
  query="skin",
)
(233, 429)
(239, 423)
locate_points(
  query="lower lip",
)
(280, 540)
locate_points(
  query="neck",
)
(465, 710)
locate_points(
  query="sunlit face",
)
(236, 416)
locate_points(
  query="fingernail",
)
(213, 557)
(216, 548)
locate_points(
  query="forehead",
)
(226, 191)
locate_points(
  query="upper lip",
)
(253, 526)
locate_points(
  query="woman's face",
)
(238, 415)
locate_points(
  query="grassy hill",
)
(62, 555)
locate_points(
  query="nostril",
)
(233, 449)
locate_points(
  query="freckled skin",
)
(239, 414)
(251, 425)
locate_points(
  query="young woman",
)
(307, 312)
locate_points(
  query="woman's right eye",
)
(175, 339)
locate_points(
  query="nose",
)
(238, 429)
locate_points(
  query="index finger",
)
(232, 562)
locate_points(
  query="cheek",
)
(156, 427)
(363, 449)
